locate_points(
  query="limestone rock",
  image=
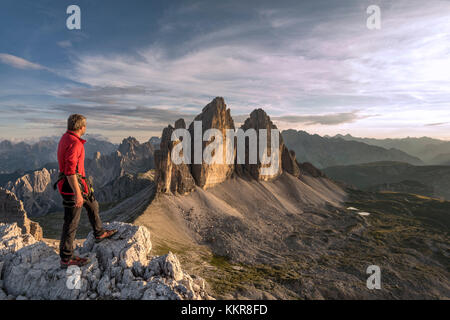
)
(119, 268)
(36, 191)
(3, 295)
(289, 162)
(174, 178)
(258, 120)
(310, 170)
(128, 248)
(123, 187)
(13, 239)
(131, 158)
(214, 115)
(166, 265)
(182, 178)
(12, 210)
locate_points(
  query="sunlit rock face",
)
(280, 158)
(12, 211)
(214, 115)
(217, 150)
(35, 190)
(172, 178)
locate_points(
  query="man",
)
(76, 191)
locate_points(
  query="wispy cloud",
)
(122, 114)
(306, 63)
(401, 67)
(324, 119)
(65, 44)
(107, 94)
(18, 62)
(436, 124)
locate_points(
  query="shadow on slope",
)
(296, 239)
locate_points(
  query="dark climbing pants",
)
(71, 220)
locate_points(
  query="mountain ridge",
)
(325, 152)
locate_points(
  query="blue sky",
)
(136, 66)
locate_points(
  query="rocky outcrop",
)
(174, 178)
(104, 168)
(155, 142)
(119, 268)
(136, 157)
(12, 211)
(285, 161)
(289, 162)
(214, 115)
(131, 157)
(36, 191)
(310, 170)
(182, 178)
(124, 186)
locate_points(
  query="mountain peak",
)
(258, 119)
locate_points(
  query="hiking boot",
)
(107, 234)
(74, 261)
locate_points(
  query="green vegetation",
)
(407, 210)
(162, 248)
(228, 278)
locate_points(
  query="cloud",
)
(125, 115)
(269, 63)
(325, 119)
(18, 62)
(308, 63)
(106, 94)
(436, 124)
(65, 44)
(16, 110)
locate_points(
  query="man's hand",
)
(78, 200)
(73, 181)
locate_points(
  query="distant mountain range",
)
(431, 151)
(116, 176)
(26, 157)
(395, 176)
(324, 152)
(321, 151)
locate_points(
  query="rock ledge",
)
(120, 268)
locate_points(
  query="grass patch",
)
(229, 278)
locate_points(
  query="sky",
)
(135, 66)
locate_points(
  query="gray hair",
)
(76, 122)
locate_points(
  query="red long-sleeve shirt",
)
(70, 154)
